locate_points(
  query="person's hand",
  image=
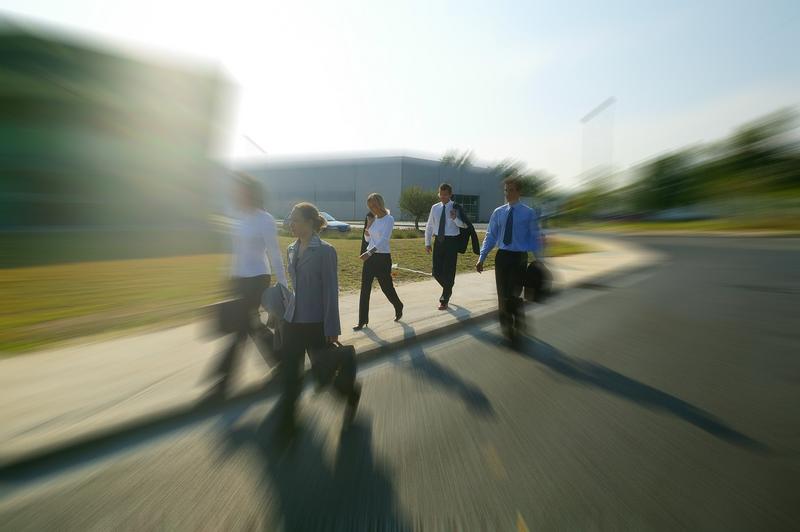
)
(428, 250)
(364, 256)
(479, 266)
(332, 339)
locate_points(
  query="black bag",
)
(230, 315)
(335, 366)
(538, 282)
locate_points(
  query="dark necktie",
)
(509, 232)
(440, 234)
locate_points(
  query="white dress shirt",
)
(255, 237)
(379, 234)
(451, 226)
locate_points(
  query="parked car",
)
(334, 224)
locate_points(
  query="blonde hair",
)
(310, 213)
(377, 198)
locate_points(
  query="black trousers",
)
(445, 257)
(249, 290)
(299, 339)
(509, 275)
(377, 266)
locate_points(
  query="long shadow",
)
(428, 369)
(310, 493)
(460, 313)
(593, 374)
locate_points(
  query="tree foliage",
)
(457, 159)
(534, 184)
(417, 202)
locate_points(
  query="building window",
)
(470, 203)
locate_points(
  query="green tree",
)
(417, 202)
(534, 184)
(457, 159)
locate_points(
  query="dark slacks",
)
(445, 257)
(249, 291)
(377, 266)
(299, 339)
(509, 275)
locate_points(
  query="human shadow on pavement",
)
(599, 376)
(436, 374)
(308, 492)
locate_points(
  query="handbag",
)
(335, 366)
(538, 282)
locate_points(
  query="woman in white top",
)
(255, 238)
(377, 259)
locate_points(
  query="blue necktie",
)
(508, 234)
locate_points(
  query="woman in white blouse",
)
(255, 239)
(377, 260)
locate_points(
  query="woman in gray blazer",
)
(311, 321)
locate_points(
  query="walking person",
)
(311, 322)
(377, 260)
(256, 255)
(514, 228)
(444, 227)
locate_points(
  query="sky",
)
(506, 79)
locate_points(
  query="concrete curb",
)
(85, 445)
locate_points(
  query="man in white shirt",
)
(443, 228)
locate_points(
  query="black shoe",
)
(360, 326)
(352, 405)
(398, 313)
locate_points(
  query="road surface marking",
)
(495, 463)
(521, 526)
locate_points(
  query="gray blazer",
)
(315, 279)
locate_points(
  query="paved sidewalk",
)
(56, 396)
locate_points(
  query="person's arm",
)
(429, 228)
(460, 223)
(535, 232)
(330, 294)
(490, 239)
(273, 250)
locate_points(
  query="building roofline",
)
(257, 162)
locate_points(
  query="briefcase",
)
(538, 282)
(335, 366)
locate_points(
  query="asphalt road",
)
(665, 399)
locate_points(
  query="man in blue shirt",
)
(514, 228)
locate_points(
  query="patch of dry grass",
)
(46, 305)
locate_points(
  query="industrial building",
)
(340, 186)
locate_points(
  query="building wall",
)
(472, 180)
(340, 187)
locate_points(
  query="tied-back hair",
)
(377, 198)
(254, 189)
(310, 212)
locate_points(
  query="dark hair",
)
(447, 187)
(515, 181)
(310, 212)
(254, 189)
